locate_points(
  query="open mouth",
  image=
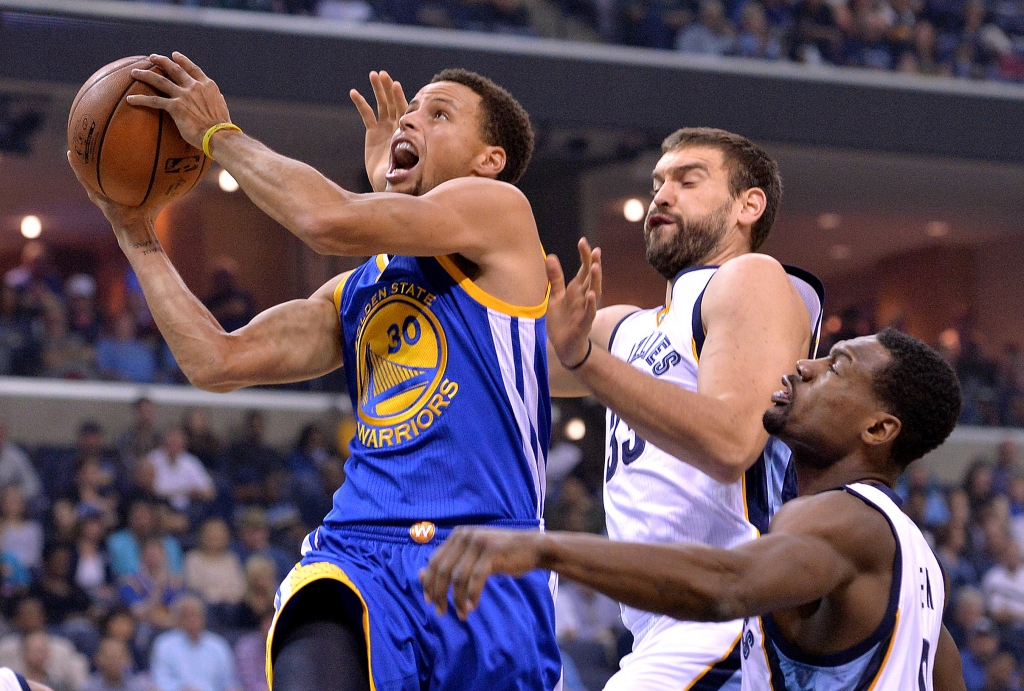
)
(785, 396)
(658, 220)
(404, 157)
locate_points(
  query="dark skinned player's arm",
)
(948, 674)
(815, 546)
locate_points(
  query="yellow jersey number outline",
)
(363, 375)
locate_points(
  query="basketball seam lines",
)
(156, 158)
(99, 79)
(99, 148)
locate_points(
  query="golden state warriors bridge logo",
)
(402, 357)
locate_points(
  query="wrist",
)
(580, 359)
(545, 546)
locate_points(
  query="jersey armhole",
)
(611, 338)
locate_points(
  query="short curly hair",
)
(749, 166)
(921, 390)
(505, 122)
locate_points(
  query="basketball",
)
(130, 154)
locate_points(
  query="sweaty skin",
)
(449, 203)
(755, 322)
(823, 571)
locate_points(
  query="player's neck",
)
(735, 246)
(813, 477)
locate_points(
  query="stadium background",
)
(897, 125)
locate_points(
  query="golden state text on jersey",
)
(450, 393)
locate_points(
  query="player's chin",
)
(775, 418)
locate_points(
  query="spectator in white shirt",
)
(176, 475)
(1003, 586)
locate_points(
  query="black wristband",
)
(590, 348)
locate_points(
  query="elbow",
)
(322, 234)
(207, 380)
(734, 459)
(211, 375)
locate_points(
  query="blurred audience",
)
(31, 651)
(191, 658)
(114, 669)
(173, 474)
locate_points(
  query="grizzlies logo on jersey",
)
(402, 359)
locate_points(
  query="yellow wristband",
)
(214, 130)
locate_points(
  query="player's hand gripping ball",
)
(129, 154)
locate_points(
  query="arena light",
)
(226, 182)
(634, 210)
(840, 252)
(829, 221)
(31, 227)
(833, 324)
(937, 229)
(575, 429)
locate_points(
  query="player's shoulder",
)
(750, 278)
(477, 190)
(845, 520)
(752, 267)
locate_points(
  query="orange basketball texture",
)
(132, 155)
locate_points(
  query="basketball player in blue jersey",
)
(442, 336)
(844, 593)
(685, 384)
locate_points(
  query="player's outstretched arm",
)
(380, 126)
(757, 327)
(809, 553)
(474, 217)
(294, 341)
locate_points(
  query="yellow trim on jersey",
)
(337, 290)
(382, 262)
(746, 506)
(892, 642)
(693, 346)
(486, 299)
(300, 577)
(764, 643)
(662, 313)
(715, 664)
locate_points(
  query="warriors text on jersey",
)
(898, 656)
(652, 497)
(450, 391)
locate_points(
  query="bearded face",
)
(675, 243)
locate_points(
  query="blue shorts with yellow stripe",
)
(507, 643)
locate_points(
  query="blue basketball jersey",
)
(449, 387)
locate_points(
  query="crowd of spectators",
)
(991, 375)
(973, 39)
(149, 560)
(977, 531)
(53, 326)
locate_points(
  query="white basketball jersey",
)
(898, 656)
(652, 497)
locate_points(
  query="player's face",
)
(438, 139)
(691, 211)
(829, 402)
